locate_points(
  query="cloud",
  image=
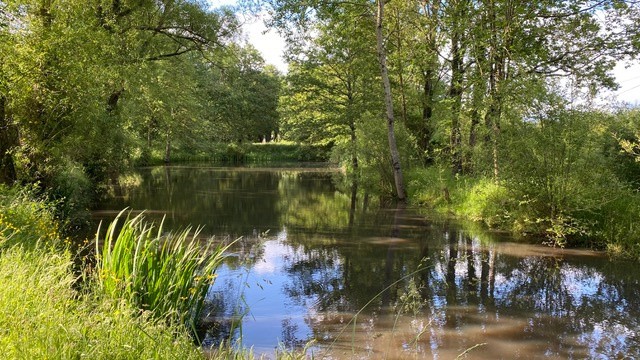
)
(629, 79)
(267, 41)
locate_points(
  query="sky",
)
(268, 42)
(272, 46)
(629, 80)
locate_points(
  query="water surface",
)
(368, 282)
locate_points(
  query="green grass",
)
(43, 317)
(609, 222)
(25, 220)
(235, 153)
(166, 274)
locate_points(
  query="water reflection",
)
(310, 260)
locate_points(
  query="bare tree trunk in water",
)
(484, 277)
(388, 100)
(390, 261)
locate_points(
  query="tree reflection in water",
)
(326, 258)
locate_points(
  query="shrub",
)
(73, 192)
(25, 219)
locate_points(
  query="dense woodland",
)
(490, 109)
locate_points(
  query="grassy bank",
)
(588, 216)
(238, 153)
(42, 317)
(44, 314)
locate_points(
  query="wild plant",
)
(166, 274)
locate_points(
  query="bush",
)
(25, 219)
(73, 192)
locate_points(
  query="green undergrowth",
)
(239, 153)
(588, 216)
(25, 220)
(43, 317)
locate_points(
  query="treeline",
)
(90, 87)
(484, 108)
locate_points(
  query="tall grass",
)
(42, 316)
(25, 219)
(166, 274)
(592, 215)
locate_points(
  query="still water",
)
(369, 282)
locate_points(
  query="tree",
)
(73, 65)
(295, 20)
(8, 137)
(388, 100)
(243, 96)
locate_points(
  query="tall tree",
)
(72, 66)
(388, 101)
(295, 18)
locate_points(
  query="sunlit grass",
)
(43, 317)
(26, 221)
(607, 221)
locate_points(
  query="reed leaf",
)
(166, 274)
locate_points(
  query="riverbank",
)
(44, 313)
(239, 153)
(588, 217)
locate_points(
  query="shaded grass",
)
(240, 153)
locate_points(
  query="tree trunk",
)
(426, 132)
(8, 139)
(498, 62)
(478, 97)
(492, 119)
(455, 93)
(354, 157)
(388, 100)
(167, 149)
(403, 96)
(112, 102)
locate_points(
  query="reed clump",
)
(167, 275)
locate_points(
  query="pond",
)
(370, 282)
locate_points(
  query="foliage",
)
(283, 151)
(591, 214)
(89, 89)
(25, 220)
(374, 169)
(44, 314)
(528, 153)
(166, 274)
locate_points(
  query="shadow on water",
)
(311, 258)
